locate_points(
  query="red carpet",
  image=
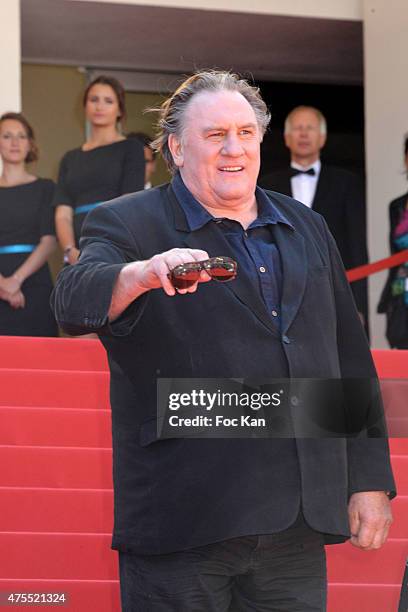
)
(56, 486)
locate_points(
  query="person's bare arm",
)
(64, 223)
(37, 258)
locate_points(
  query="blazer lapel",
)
(322, 194)
(287, 185)
(294, 264)
(211, 239)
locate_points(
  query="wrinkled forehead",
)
(304, 117)
(217, 109)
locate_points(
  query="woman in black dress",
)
(26, 235)
(106, 166)
(394, 298)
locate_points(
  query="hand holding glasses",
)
(221, 269)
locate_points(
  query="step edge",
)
(57, 489)
(59, 408)
(71, 580)
(39, 446)
(53, 371)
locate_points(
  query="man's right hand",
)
(153, 274)
(140, 276)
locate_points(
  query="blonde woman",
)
(26, 234)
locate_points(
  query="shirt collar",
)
(197, 215)
(316, 166)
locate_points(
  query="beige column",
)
(386, 115)
(10, 56)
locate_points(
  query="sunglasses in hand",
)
(221, 269)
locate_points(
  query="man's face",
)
(304, 140)
(218, 153)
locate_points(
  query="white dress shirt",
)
(304, 185)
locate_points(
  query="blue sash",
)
(17, 248)
(80, 210)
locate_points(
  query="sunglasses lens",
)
(183, 281)
(185, 275)
(222, 271)
(221, 275)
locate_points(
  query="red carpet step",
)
(40, 466)
(54, 388)
(32, 426)
(52, 354)
(56, 496)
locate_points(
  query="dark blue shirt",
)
(254, 249)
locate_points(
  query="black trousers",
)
(281, 572)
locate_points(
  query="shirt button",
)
(246, 234)
(274, 313)
(294, 400)
(285, 340)
(262, 269)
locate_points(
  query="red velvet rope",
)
(382, 264)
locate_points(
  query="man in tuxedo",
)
(149, 155)
(232, 524)
(335, 193)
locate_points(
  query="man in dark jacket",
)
(234, 523)
(335, 193)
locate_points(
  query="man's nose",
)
(232, 146)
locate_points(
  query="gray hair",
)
(320, 117)
(172, 111)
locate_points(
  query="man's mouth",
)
(231, 168)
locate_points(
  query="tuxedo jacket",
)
(175, 494)
(339, 198)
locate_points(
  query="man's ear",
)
(176, 149)
(323, 139)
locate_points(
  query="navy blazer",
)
(178, 493)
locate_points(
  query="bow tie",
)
(295, 172)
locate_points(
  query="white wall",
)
(331, 9)
(10, 56)
(386, 114)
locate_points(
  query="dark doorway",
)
(343, 107)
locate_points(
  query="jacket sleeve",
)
(369, 465)
(355, 218)
(83, 292)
